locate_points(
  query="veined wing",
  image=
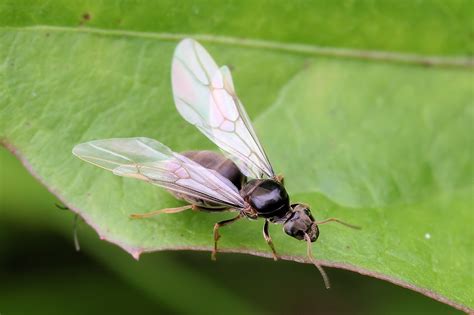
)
(204, 95)
(149, 160)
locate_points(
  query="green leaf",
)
(382, 145)
(164, 279)
(26, 223)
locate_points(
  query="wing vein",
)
(157, 164)
(110, 152)
(215, 108)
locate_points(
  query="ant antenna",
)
(60, 206)
(74, 227)
(76, 239)
(340, 222)
(320, 268)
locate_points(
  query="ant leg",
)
(340, 222)
(217, 235)
(269, 241)
(156, 212)
(279, 178)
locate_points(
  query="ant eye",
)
(306, 211)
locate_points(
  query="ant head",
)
(301, 224)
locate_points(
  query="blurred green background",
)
(41, 273)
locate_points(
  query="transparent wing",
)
(204, 95)
(149, 160)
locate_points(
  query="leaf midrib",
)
(297, 48)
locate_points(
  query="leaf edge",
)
(136, 252)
